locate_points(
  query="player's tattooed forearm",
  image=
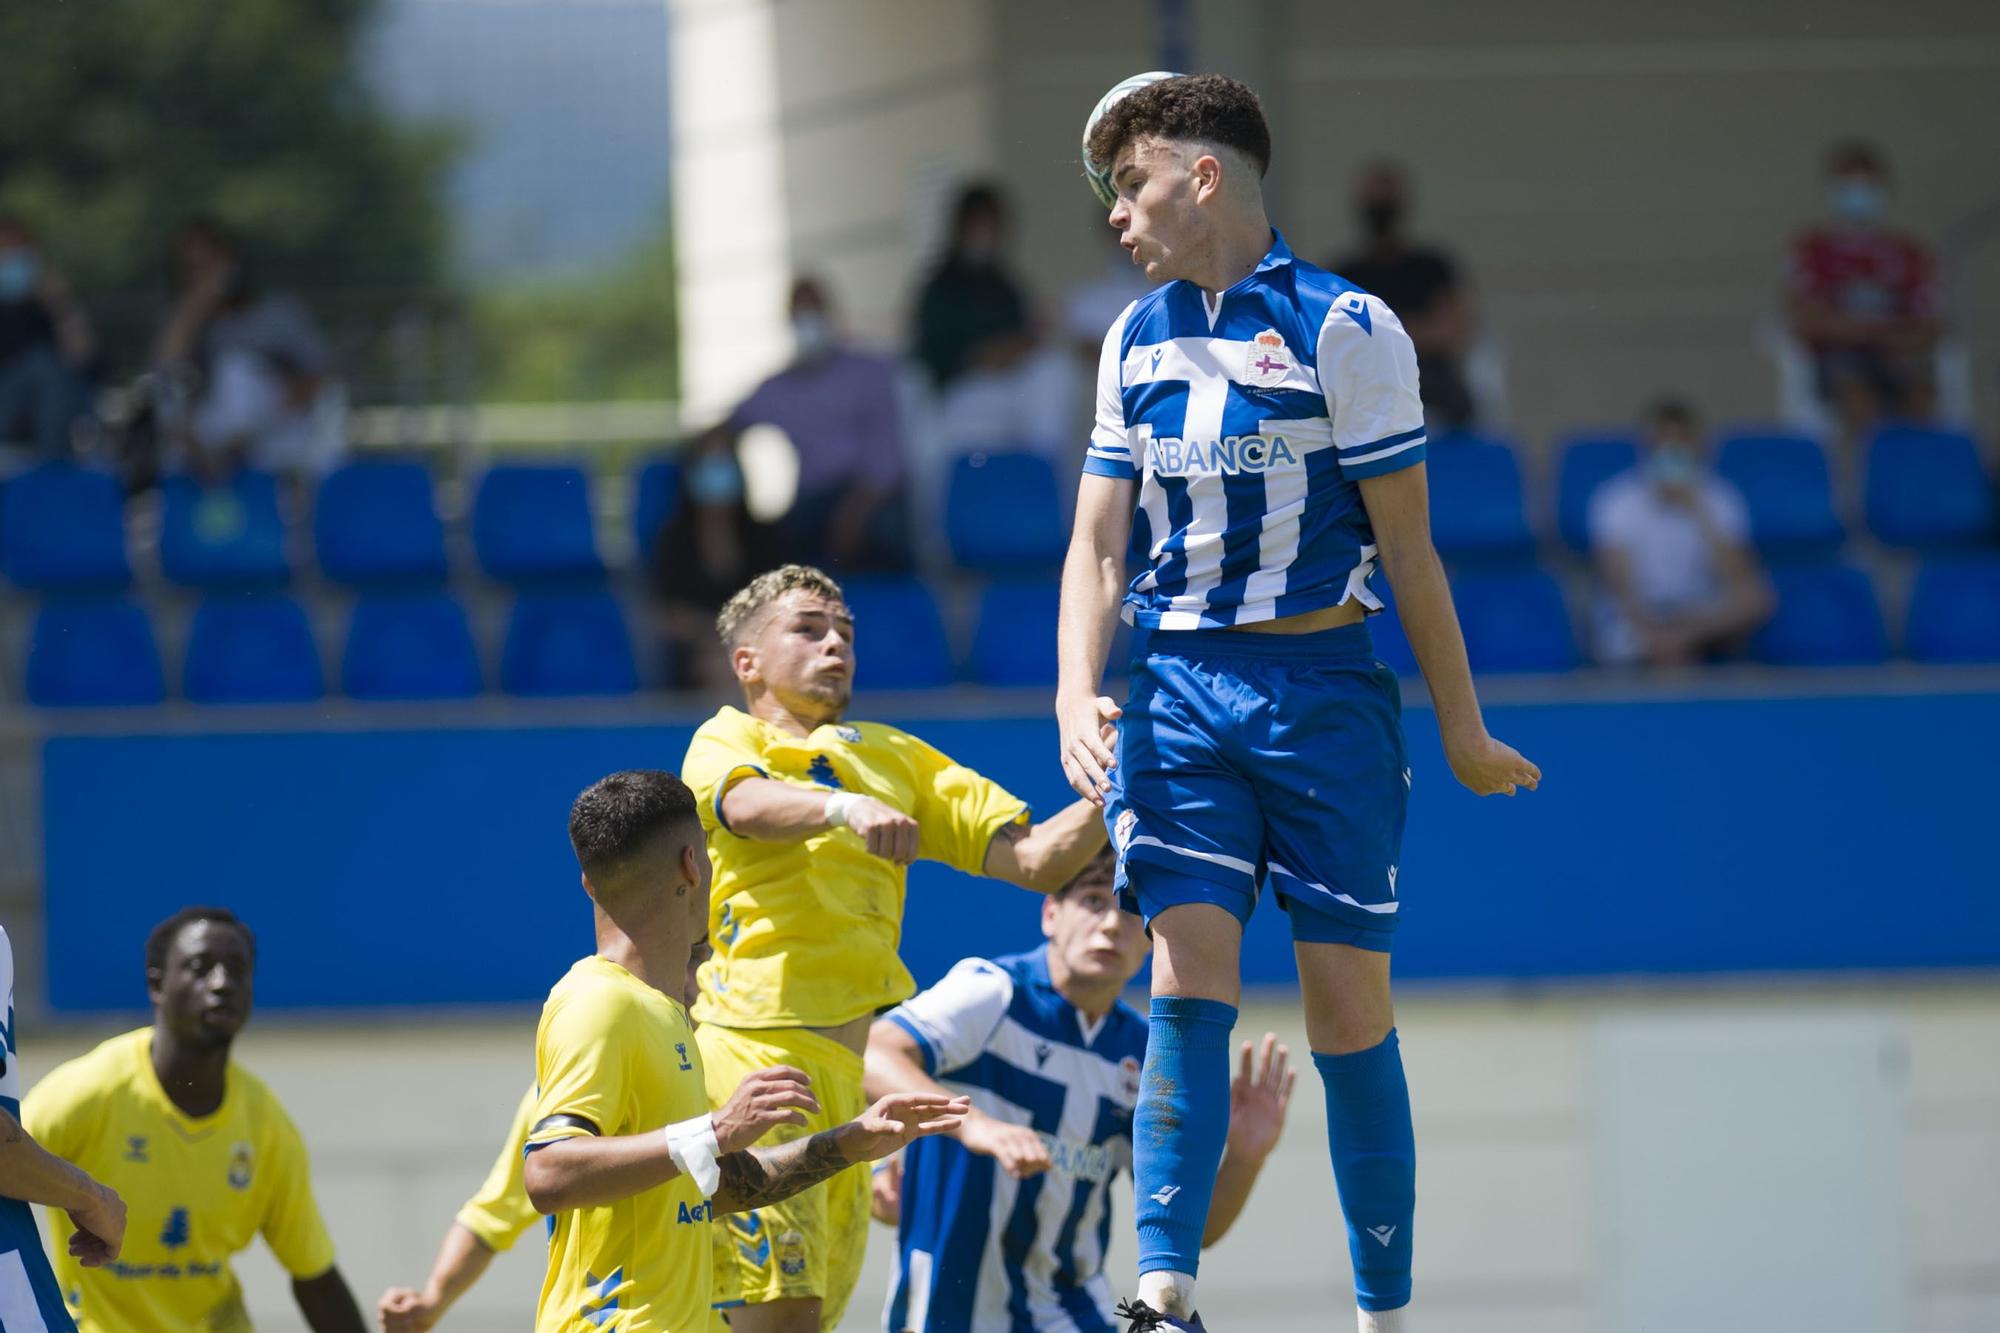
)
(755, 1177)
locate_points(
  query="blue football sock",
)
(1179, 1128)
(1374, 1165)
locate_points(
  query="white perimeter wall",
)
(1588, 1163)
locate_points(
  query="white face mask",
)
(811, 334)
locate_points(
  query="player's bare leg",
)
(1183, 1112)
(1350, 1024)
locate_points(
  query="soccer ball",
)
(1100, 177)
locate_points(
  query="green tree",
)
(120, 117)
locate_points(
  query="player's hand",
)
(100, 1229)
(1491, 768)
(885, 1192)
(765, 1099)
(898, 1119)
(1259, 1096)
(888, 832)
(1019, 1150)
(1089, 734)
(402, 1310)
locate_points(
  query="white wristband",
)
(692, 1145)
(837, 806)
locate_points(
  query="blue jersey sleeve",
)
(1368, 372)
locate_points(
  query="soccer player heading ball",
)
(1258, 448)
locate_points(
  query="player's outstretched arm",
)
(1048, 855)
(30, 1172)
(895, 1065)
(462, 1259)
(1398, 505)
(1259, 1097)
(1093, 582)
(327, 1304)
(760, 1176)
(773, 811)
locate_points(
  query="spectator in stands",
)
(266, 392)
(1422, 284)
(711, 546)
(971, 312)
(1671, 542)
(1092, 307)
(47, 346)
(1863, 298)
(838, 404)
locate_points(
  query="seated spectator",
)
(1862, 298)
(46, 346)
(1421, 283)
(711, 546)
(1671, 543)
(838, 404)
(265, 383)
(971, 313)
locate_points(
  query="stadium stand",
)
(1955, 610)
(226, 536)
(64, 529)
(410, 645)
(1587, 461)
(1828, 615)
(531, 522)
(376, 523)
(656, 493)
(1927, 489)
(1477, 512)
(251, 648)
(1014, 642)
(1786, 487)
(1515, 620)
(1021, 535)
(902, 616)
(568, 642)
(93, 653)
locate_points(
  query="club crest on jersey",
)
(852, 735)
(1268, 361)
(1128, 1078)
(239, 1167)
(1121, 836)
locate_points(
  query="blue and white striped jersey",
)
(1247, 422)
(978, 1251)
(30, 1299)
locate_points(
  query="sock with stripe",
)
(1375, 1169)
(1178, 1131)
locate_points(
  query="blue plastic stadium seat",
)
(533, 522)
(225, 536)
(1787, 490)
(1588, 461)
(1003, 514)
(656, 495)
(567, 643)
(1827, 616)
(1015, 640)
(1476, 509)
(1392, 645)
(900, 632)
(1955, 611)
(376, 523)
(65, 528)
(1515, 620)
(93, 653)
(410, 646)
(251, 648)
(1927, 488)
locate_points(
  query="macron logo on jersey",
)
(1230, 456)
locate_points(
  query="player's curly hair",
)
(162, 936)
(766, 588)
(615, 818)
(1202, 108)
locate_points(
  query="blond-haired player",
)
(812, 823)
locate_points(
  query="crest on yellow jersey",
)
(239, 1167)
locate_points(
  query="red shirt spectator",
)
(1866, 275)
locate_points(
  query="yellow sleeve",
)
(500, 1212)
(958, 810)
(60, 1112)
(580, 1065)
(723, 752)
(292, 1224)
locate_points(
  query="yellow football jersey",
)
(613, 1051)
(196, 1191)
(805, 933)
(500, 1212)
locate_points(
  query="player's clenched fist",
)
(1089, 738)
(1019, 1150)
(764, 1100)
(887, 831)
(1491, 768)
(897, 1119)
(402, 1310)
(100, 1229)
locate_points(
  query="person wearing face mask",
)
(711, 546)
(1671, 542)
(1422, 285)
(971, 313)
(46, 346)
(1862, 297)
(838, 404)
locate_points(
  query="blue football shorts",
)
(1247, 759)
